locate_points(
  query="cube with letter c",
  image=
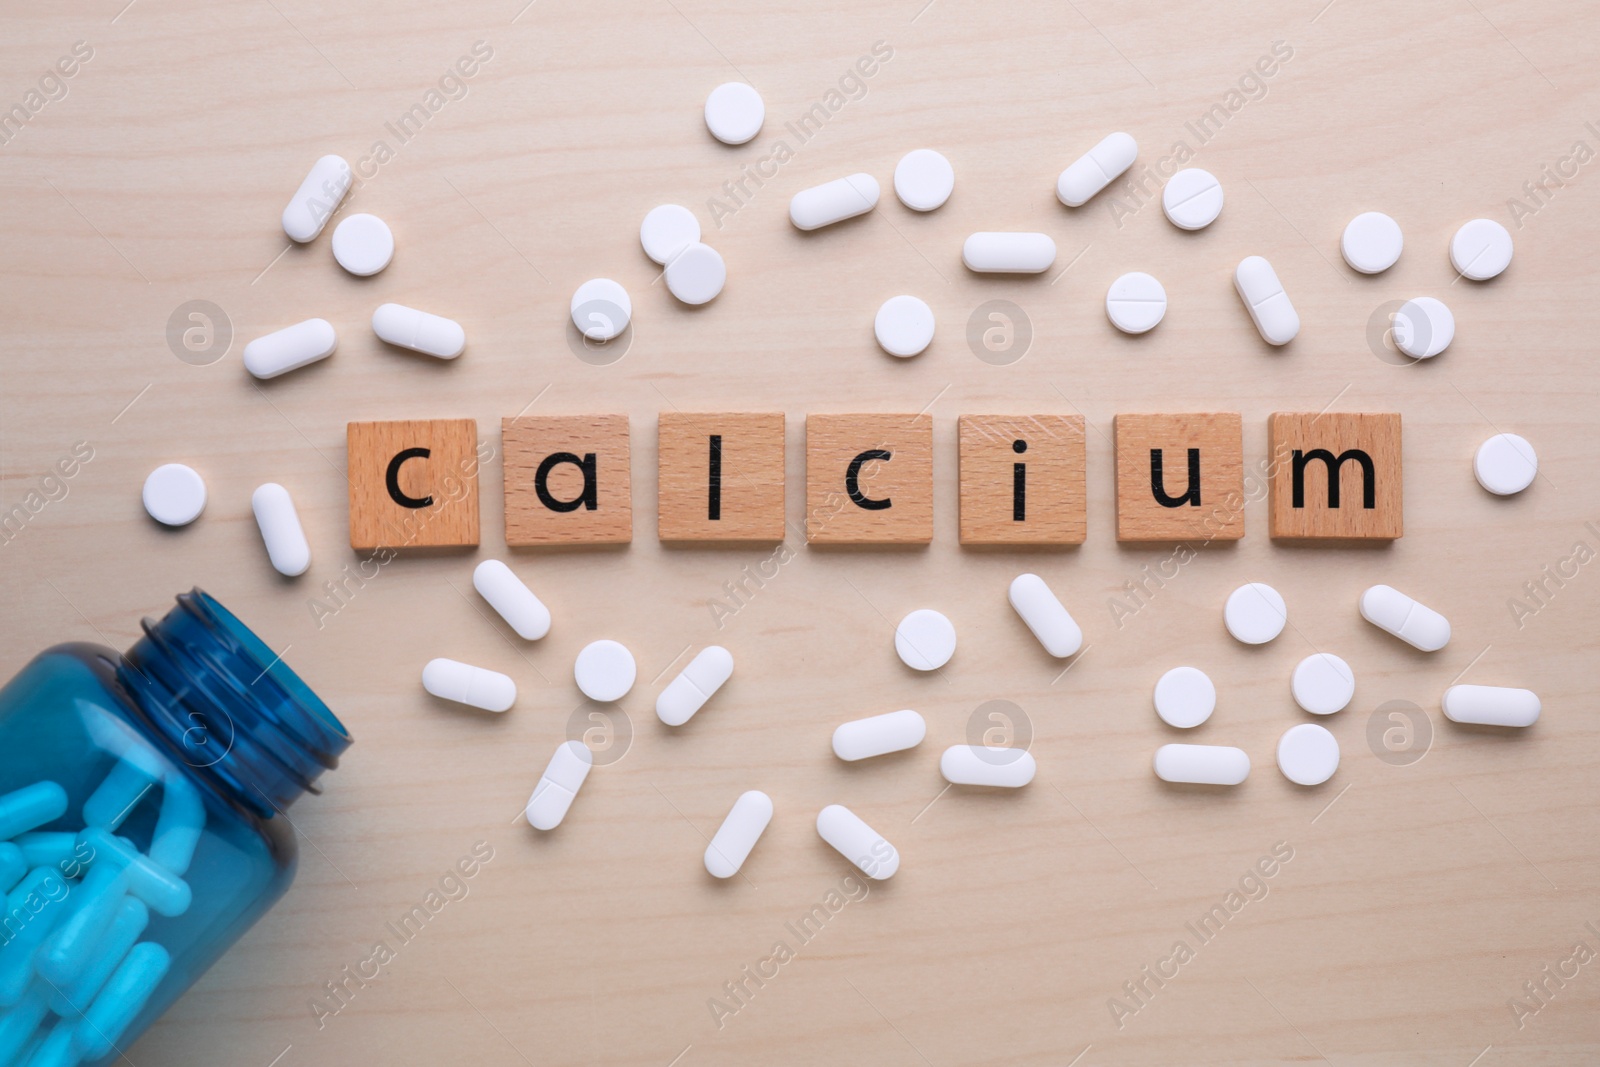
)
(413, 483)
(869, 479)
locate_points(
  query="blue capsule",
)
(13, 865)
(19, 1023)
(165, 892)
(48, 848)
(31, 807)
(70, 1000)
(32, 910)
(121, 1000)
(91, 906)
(57, 1049)
(118, 794)
(182, 818)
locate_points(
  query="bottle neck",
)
(229, 706)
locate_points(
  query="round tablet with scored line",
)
(1135, 303)
(1185, 697)
(1192, 199)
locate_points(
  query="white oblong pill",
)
(1505, 464)
(1372, 242)
(318, 197)
(878, 735)
(1202, 764)
(1323, 683)
(1185, 697)
(1490, 705)
(1480, 250)
(1136, 303)
(1308, 754)
(558, 786)
(1387, 608)
(1045, 615)
(604, 671)
(1192, 199)
(362, 244)
(1258, 286)
(280, 529)
(174, 494)
(1007, 768)
(476, 687)
(735, 112)
(290, 348)
(923, 179)
(745, 823)
(835, 201)
(694, 685)
(1096, 169)
(1008, 253)
(667, 230)
(925, 640)
(601, 309)
(432, 335)
(857, 842)
(506, 594)
(1423, 327)
(697, 274)
(1255, 613)
(904, 326)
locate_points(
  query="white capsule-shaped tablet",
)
(730, 846)
(1202, 764)
(1372, 242)
(1008, 253)
(857, 842)
(1192, 199)
(877, 735)
(1505, 464)
(563, 777)
(1258, 286)
(1136, 303)
(1096, 169)
(280, 529)
(1490, 705)
(506, 594)
(835, 201)
(694, 685)
(476, 687)
(1423, 327)
(290, 348)
(1007, 768)
(1416, 624)
(318, 197)
(432, 335)
(1481, 250)
(1045, 615)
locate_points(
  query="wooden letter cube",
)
(567, 480)
(413, 483)
(721, 476)
(1180, 477)
(1022, 480)
(1334, 477)
(869, 479)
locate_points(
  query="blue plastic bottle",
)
(141, 826)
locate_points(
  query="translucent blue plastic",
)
(141, 825)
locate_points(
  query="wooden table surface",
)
(1410, 898)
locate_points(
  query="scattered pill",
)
(362, 244)
(1096, 169)
(71, 944)
(835, 201)
(878, 735)
(695, 684)
(904, 326)
(1389, 609)
(857, 842)
(13, 865)
(1008, 253)
(1045, 615)
(745, 823)
(166, 893)
(697, 275)
(38, 896)
(601, 309)
(1308, 754)
(1263, 295)
(1185, 697)
(432, 335)
(127, 783)
(120, 1001)
(463, 683)
(1135, 303)
(1480, 250)
(734, 112)
(1505, 464)
(1490, 705)
(1323, 683)
(506, 594)
(925, 640)
(923, 179)
(46, 848)
(1372, 242)
(280, 529)
(1192, 199)
(1423, 327)
(563, 777)
(667, 230)
(290, 348)
(174, 494)
(1202, 764)
(604, 671)
(1255, 613)
(131, 918)
(31, 807)
(318, 197)
(1008, 768)
(179, 825)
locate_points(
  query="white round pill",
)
(1505, 464)
(923, 179)
(601, 309)
(362, 244)
(668, 230)
(174, 494)
(734, 112)
(1308, 754)
(604, 671)
(1135, 303)
(1423, 327)
(904, 326)
(1185, 697)
(925, 640)
(1372, 242)
(1192, 199)
(1480, 250)
(697, 275)
(1323, 684)
(1255, 613)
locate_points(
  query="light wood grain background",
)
(1419, 898)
